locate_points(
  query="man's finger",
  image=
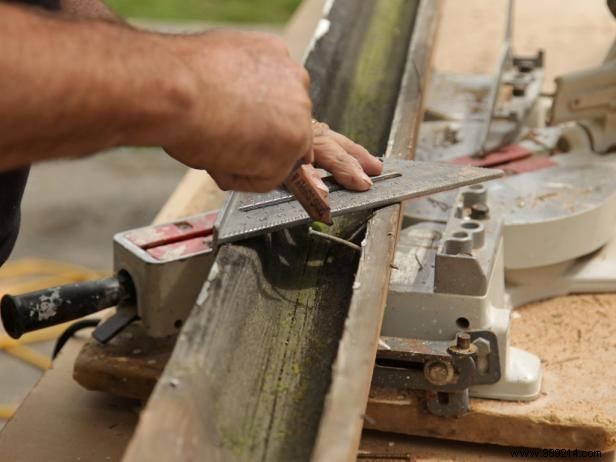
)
(304, 78)
(309, 156)
(370, 164)
(345, 168)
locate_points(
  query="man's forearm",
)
(125, 86)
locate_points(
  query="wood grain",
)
(342, 420)
(128, 366)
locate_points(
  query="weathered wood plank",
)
(249, 375)
(342, 420)
(268, 371)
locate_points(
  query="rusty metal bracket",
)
(441, 371)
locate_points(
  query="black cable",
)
(70, 331)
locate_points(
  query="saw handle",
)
(48, 307)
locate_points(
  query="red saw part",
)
(502, 156)
(175, 240)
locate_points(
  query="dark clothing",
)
(12, 186)
(12, 183)
(49, 4)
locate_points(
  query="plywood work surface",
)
(60, 421)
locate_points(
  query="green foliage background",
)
(263, 11)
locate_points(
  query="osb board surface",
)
(574, 337)
(387, 447)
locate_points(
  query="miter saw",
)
(159, 270)
(466, 260)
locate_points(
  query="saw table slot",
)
(182, 248)
(403, 364)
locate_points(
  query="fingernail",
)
(366, 179)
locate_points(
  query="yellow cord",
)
(29, 356)
(28, 275)
(28, 267)
(43, 335)
(6, 412)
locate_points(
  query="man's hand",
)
(250, 119)
(348, 162)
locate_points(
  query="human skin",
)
(89, 9)
(232, 103)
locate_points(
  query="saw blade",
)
(245, 215)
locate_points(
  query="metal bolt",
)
(438, 372)
(479, 211)
(463, 341)
(463, 345)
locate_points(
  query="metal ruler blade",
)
(246, 215)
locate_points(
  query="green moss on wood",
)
(375, 84)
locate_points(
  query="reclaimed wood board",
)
(128, 366)
(574, 337)
(389, 447)
(343, 414)
(253, 364)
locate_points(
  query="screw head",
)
(438, 372)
